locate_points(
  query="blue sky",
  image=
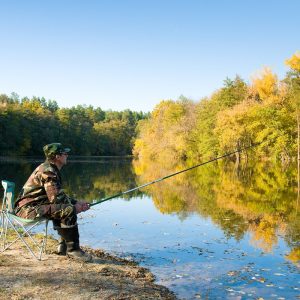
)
(119, 54)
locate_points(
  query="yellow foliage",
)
(139, 146)
(231, 127)
(294, 255)
(264, 233)
(34, 106)
(265, 84)
(294, 62)
(164, 135)
(235, 116)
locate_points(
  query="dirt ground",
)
(58, 277)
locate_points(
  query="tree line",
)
(239, 114)
(29, 123)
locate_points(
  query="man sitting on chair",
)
(42, 197)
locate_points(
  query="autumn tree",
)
(293, 81)
(205, 143)
(165, 134)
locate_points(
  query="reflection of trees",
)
(260, 198)
(189, 192)
(292, 237)
(98, 179)
(16, 171)
(294, 256)
(264, 233)
(265, 201)
(87, 180)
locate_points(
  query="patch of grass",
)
(12, 235)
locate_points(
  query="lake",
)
(215, 232)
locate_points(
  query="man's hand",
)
(81, 206)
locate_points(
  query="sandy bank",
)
(57, 277)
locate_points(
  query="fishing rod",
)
(173, 174)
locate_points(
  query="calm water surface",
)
(217, 232)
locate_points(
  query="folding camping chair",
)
(22, 228)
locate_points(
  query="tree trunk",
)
(298, 160)
(298, 124)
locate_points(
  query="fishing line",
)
(174, 174)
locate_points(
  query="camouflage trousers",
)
(63, 215)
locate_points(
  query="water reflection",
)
(99, 178)
(231, 223)
(89, 179)
(260, 199)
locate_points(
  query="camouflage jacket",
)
(44, 186)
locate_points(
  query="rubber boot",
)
(62, 247)
(71, 237)
(74, 251)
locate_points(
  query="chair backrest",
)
(8, 202)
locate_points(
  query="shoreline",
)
(58, 277)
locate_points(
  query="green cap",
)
(53, 149)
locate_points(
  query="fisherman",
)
(43, 196)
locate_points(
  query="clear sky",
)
(119, 54)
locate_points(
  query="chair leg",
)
(40, 247)
(24, 236)
(46, 235)
(5, 232)
(2, 234)
(20, 236)
(4, 229)
(44, 243)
